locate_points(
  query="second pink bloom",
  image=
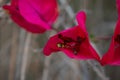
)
(73, 42)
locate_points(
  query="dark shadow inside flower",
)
(117, 38)
(117, 41)
(112, 56)
(117, 47)
(70, 44)
(17, 8)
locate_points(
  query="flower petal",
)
(86, 52)
(17, 17)
(108, 56)
(81, 18)
(118, 7)
(51, 46)
(51, 8)
(112, 56)
(117, 29)
(14, 3)
(31, 14)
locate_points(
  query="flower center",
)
(70, 43)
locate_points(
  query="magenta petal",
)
(81, 18)
(15, 15)
(44, 7)
(31, 14)
(14, 3)
(118, 7)
(35, 16)
(112, 56)
(86, 52)
(51, 46)
(117, 29)
(108, 57)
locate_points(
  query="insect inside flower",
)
(60, 45)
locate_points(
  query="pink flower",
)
(112, 56)
(73, 42)
(35, 16)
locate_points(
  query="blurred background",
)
(21, 56)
